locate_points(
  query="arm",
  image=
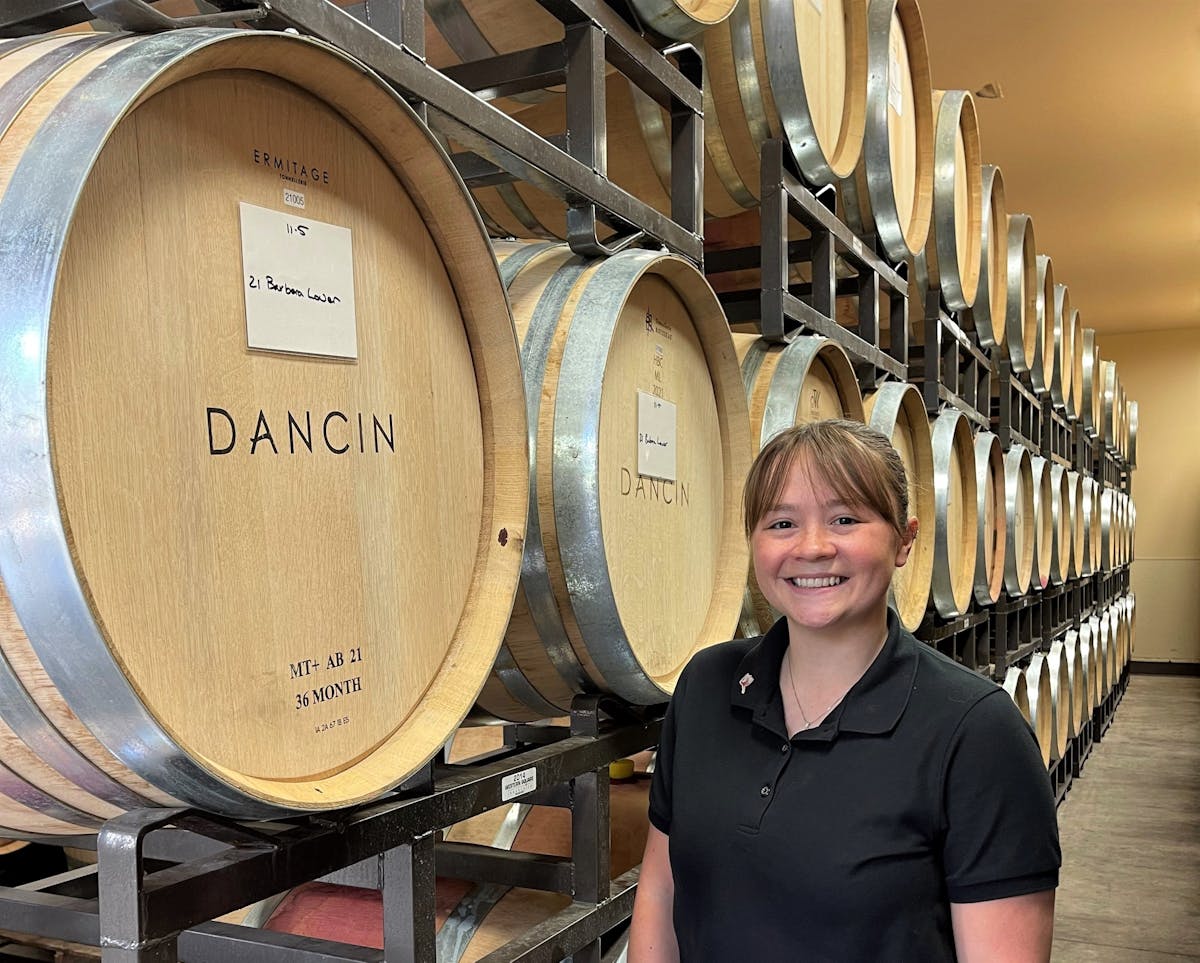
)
(1018, 929)
(652, 933)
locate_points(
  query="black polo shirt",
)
(849, 841)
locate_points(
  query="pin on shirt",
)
(745, 682)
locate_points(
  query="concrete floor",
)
(1130, 827)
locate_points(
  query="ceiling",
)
(1098, 137)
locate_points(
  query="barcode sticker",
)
(518, 784)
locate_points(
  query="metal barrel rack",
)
(784, 311)
(162, 874)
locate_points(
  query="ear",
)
(906, 542)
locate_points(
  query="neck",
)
(835, 656)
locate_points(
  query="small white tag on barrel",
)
(298, 278)
(656, 437)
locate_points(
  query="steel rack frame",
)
(1059, 611)
(1017, 411)
(967, 639)
(500, 148)
(784, 311)
(1058, 437)
(950, 367)
(162, 873)
(1017, 632)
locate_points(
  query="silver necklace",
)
(795, 698)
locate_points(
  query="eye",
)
(845, 520)
(780, 524)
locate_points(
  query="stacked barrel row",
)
(572, 434)
(1061, 689)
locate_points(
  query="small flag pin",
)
(745, 682)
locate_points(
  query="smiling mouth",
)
(827, 582)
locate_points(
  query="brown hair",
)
(857, 462)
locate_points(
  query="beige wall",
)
(1161, 371)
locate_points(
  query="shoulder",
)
(952, 697)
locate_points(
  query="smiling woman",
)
(768, 803)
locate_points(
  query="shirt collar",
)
(873, 705)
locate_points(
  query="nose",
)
(812, 541)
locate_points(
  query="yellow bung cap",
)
(620, 769)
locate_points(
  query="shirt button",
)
(765, 791)
(784, 748)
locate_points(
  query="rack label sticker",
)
(895, 85)
(518, 784)
(656, 437)
(293, 198)
(817, 5)
(298, 282)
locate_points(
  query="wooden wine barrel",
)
(986, 315)
(991, 533)
(1122, 633)
(239, 507)
(1133, 432)
(1041, 707)
(1104, 655)
(473, 919)
(677, 20)
(1020, 542)
(1075, 402)
(478, 29)
(1018, 690)
(1075, 521)
(806, 380)
(1110, 410)
(1081, 683)
(1114, 651)
(1062, 536)
(1043, 367)
(631, 347)
(953, 251)
(1089, 653)
(1063, 694)
(1109, 556)
(1064, 349)
(1131, 610)
(891, 192)
(817, 106)
(1020, 324)
(1121, 424)
(1132, 532)
(1093, 385)
(808, 86)
(956, 512)
(1092, 505)
(1043, 521)
(898, 411)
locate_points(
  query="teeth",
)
(829, 582)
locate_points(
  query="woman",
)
(836, 790)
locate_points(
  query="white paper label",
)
(298, 279)
(895, 86)
(293, 198)
(817, 5)
(518, 784)
(656, 437)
